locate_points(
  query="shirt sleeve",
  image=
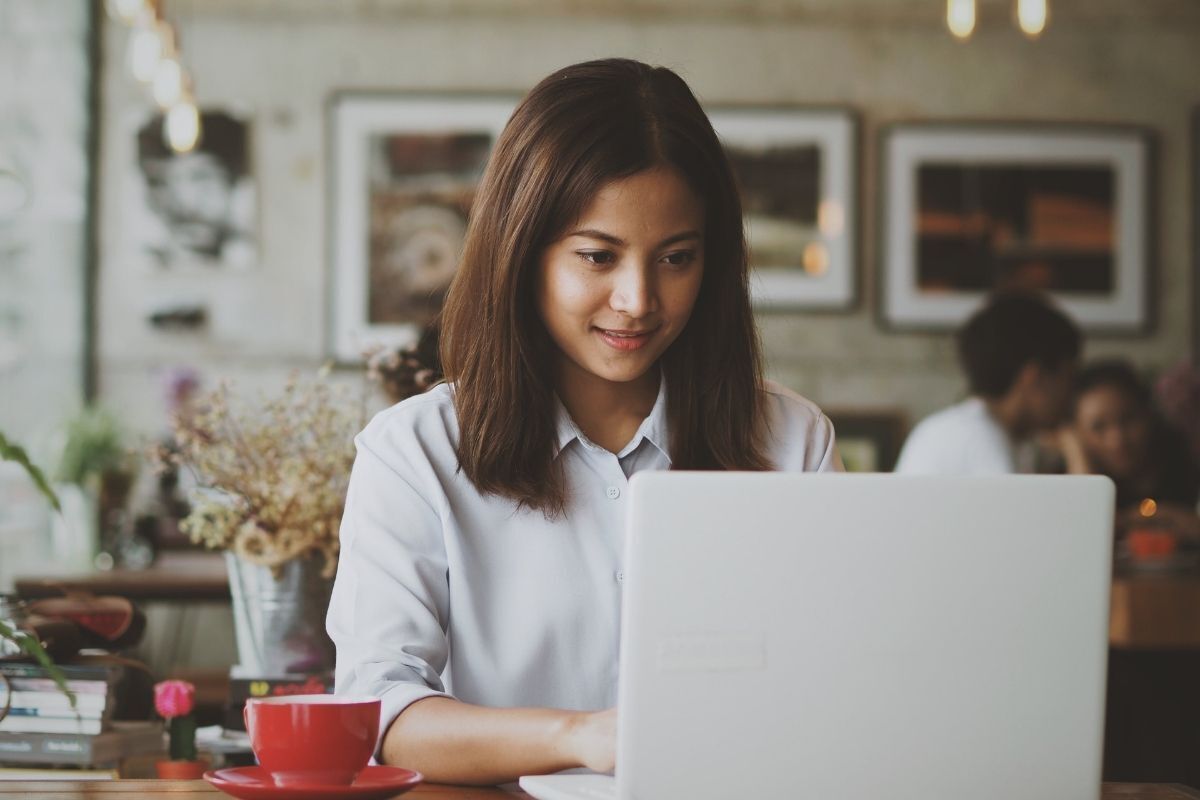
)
(390, 605)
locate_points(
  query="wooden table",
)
(1155, 610)
(187, 575)
(185, 790)
(1149, 610)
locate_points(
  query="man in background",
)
(1019, 354)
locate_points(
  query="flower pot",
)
(181, 770)
(279, 620)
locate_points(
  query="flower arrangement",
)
(406, 371)
(174, 701)
(272, 476)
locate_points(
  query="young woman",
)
(1116, 431)
(599, 325)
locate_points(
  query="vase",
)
(181, 770)
(279, 620)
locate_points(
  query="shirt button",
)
(613, 492)
(620, 577)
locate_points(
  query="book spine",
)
(53, 701)
(49, 725)
(55, 713)
(45, 748)
(14, 669)
(47, 685)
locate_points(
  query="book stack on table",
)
(43, 729)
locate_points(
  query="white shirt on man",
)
(441, 590)
(964, 439)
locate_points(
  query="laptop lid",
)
(864, 636)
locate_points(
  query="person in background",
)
(1117, 431)
(194, 194)
(1019, 354)
(599, 325)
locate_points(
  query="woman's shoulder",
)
(799, 436)
(790, 404)
(425, 424)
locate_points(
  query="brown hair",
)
(578, 129)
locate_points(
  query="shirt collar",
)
(654, 427)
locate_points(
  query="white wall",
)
(890, 60)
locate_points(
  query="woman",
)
(599, 325)
(1116, 432)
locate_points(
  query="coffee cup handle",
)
(246, 717)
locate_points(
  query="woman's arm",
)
(453, 742)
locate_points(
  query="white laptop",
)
(858, 637)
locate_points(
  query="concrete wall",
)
(890, 60)
(44, 121)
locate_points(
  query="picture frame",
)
(868, 441)
(797, 172)
(403, 169)
(971, 208)
(1196, 235)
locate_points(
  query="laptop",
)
(859, 637)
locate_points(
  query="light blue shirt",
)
(441, 590)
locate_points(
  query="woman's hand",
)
(592, 739)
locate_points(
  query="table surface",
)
(173, 790)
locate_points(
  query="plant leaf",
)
(32, 647)
(13, 452)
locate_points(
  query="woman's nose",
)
(633, 291)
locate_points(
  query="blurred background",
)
(245, 191)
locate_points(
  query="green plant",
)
(93, 447)
(26, 643)
(15, 453)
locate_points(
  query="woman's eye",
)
(680, 258)
(596, 256)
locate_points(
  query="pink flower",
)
(174, 698)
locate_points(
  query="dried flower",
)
(273, 477)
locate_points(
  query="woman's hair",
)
(577, 130)
(1115, 374)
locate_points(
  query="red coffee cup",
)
(313, 739)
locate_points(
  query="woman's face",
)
(617, 288)
(1113, 430)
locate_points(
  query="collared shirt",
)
(964, 439)
(443, 590)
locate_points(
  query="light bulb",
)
(124, 11)
(181, 127)
(1031, 16)
(168, 83)
(145, 51)
(960, 18)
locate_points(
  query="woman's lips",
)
(623, 340)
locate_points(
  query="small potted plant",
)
(174, 702)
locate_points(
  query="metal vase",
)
(279, 622)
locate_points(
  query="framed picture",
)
(1061, 208)
(1196, 235)
(796, 172)
(868, 441)
(403, 173)
(195, 210)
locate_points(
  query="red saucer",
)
(373, 783)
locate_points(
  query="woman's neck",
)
(608, 413)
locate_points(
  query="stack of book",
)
(43, 728)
